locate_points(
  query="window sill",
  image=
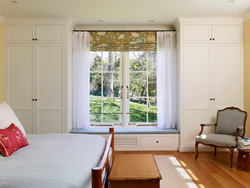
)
(125, 131)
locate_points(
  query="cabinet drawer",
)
(160, 141)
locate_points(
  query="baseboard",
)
(201, 148)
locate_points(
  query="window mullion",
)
(125, 82)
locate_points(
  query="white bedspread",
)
(53, 160)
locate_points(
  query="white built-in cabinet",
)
(41, 33)
(36, 76)
(210, 73)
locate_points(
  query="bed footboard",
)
(100, 173)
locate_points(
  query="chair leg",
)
(196, 148)
(215, 150)
(231, 156)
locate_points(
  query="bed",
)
(58, 160)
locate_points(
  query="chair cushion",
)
(228, 120)
(217, 139)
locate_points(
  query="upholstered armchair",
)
(229, 126)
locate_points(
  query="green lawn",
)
(111, 106)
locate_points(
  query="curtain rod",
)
(119, 30)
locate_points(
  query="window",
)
(123, 88)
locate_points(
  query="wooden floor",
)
(208, 171)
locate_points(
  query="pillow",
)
(11, 139)
(7, 116)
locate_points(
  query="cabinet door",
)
(20, 81)
(50, 87)
(197, 90)
(227, 33)
(196, 33)
(50, 33)
(228, 76)
(19, 33)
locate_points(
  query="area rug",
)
(173, 175)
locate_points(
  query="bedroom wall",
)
(1, 61)
(246, 40)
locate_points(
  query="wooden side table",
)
(243, 161)
(134, 171)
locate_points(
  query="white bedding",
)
(53, 161)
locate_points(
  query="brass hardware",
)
(121, 94)
(117, 123)
(131, 123)
(140, 113)
(105, 113)
(127, 95)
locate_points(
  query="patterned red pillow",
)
(11, 139)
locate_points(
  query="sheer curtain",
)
(81, 74)
(166, 80)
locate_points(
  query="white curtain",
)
(166, 80)
(81, 74)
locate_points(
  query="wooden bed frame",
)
(105, 164)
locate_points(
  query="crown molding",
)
(1, 18)
(36, 20)
(206, 20)
(246, 15)
(123, 27)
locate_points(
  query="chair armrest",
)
(206, 125)
(237, 130)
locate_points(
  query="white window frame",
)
(124, 101)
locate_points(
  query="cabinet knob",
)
(33, 99)
(210, 38)
(213, 38)
(213, 99)
(33, 39)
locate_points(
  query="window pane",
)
(111, 118)
(95, 118)
(152, 108)
(95, 84)
(138, 84)
(95, 61)
(152, 84)
(138, 109)
(111, 105)
(111, 61)
(111, 84)
(151, 61)
(95, 105)
(137, 61)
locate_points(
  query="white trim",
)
(124, 27)
(36, 20)
(1, 18)
(211, 20)
(246, 15)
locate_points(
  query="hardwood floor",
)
(207, 171)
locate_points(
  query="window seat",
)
(125, 131)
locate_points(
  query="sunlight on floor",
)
(174, 161)
(183, 173)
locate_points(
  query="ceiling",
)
(122, 12)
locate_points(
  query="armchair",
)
(229, 126)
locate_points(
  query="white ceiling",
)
(122, 12)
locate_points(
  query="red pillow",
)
(11, 139)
